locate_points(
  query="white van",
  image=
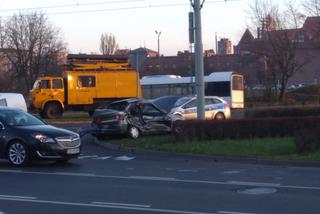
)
(13, 100)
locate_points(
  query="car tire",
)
(18, 154)
(219, 116)
(133, 132)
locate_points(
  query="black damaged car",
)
(130, 117)
(23, 137)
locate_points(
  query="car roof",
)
(10, 108)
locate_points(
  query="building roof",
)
(142, 50)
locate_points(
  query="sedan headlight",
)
(43, 138)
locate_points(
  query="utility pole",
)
(158, 34)
(199, 59)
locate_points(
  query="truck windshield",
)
(36, 85)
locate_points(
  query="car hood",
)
(48, 130)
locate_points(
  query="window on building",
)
(86, 81)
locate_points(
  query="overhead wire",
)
(108, 9)
(70, 5)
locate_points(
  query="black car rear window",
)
(119, 106)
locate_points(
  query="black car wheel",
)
(219, 116)
(133, 132)
(18, 154)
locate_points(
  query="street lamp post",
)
(158, 34)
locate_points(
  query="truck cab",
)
(48, 95)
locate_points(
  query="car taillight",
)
(120, 117)
(97, 120)
(226, 105)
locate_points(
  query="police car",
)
(215, 108)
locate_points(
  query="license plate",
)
(73, 151)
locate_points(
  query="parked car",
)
(23, 138)
(130, 117)
(215, 108)
(166, 103)
(13, 100)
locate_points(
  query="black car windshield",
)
(18, 118)
(181, 101)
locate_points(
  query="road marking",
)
(231, 172)
(17, 197)
(102, 158)
(153, 178)
(87, 156)
(124, 158)
(75, 174)
(227, 212)
(122, 204)
(145, 209)
(253, 183)
(226, 183)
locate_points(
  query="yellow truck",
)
(89, 81)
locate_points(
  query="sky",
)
(133, 22)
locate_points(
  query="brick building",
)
(308, 47)
(224, 46)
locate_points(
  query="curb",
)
(215, 158)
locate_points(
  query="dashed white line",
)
(17, 197)
(87, 156)
(238, 183)
(102, 158)
(124, 158)
(253, 183)
(227, 212)
(121, 204)
(145, 209)
(153, 178)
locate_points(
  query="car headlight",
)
(43, 138)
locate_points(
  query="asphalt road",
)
(114, 181)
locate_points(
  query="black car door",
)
(154, 119)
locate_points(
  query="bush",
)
(283, 112)
(307, 140)
(197, 130)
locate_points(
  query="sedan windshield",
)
(18, 118)
(181, 101)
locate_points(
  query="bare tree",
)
(278, 43)
(108, 44)
(34, 43)
(312, 7)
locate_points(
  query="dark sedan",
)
(130, 117)
(23, 138)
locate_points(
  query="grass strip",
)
(267, 148)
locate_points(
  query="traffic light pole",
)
(199, 60)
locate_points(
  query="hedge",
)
(197, 130)
(283, 112)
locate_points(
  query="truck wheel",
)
(52, 110)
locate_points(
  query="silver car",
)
(215, 108)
